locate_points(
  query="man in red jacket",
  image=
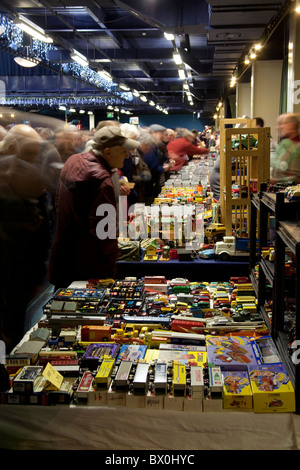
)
(85, 243)
(182, 148)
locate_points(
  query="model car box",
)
(82, 392)
(132, 352)
(26, 379)
(193, 405)
(272, 389)
(237, 391)
(233, 351)
(265, 350)
(185, 356)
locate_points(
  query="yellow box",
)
(103, 376)
(237, 392)
(272, 389)
(179, 379)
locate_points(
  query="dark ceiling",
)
(126, 38)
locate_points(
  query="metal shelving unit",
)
(286, 234)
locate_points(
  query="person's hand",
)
(124, 190)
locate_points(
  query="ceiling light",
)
(135, 93)
(143, 98)
(185, 86)
(72, 110)
(151, 103)
(181, 74)
(81, 111)
(32, 29)
(2, 29)
(252, 55)
(258, 47)
(27, 61)
(105, 75)
(62, 108)
(177, 58)
(79, 58)
(124, 87)
(110, 107)
(215, 116)
(90, 112)
(116, 109)
(169, 36)
(247, 61)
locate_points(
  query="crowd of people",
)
(55, 184)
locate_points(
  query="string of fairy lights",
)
(38, 52)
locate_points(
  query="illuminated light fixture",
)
(247, 60)
(72, 110)
(110, 107)
(258, 47)
(105, 75)
(177, 58)
(81, 111)
(2, 29)
(79, 58)
(220, 104)
(123, 111)
(27, 61)
(185, 86)
(181, 74)
(124, 87)
(62, 108)
(252, 55)
(169, 36)
(215, 116)
(116, 109)
(135, 93)
(90, 112)
(143, 98)
(12, 115)
(233, 81)
(32, 29)
(297, 9)
(151, 103)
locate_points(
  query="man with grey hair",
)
(86, 201)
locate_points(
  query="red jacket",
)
(77, 252)
(179, 148)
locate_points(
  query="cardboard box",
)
(272, 389)
(153, 401)
(194, 405)
(116, 398)
(173, 403)
(135, 401)
(97, 397)
(212, 404)
(237, 391)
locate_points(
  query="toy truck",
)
(231, 246)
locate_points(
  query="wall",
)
(189, 121)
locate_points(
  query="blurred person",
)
(168, 135)
(182, 148)
(24, 229)
(3, 132)
(78, 252)
(286, 163)
(126, 172)
(152, 159)
(140, 170)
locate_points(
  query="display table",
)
(118, 428)
(195, 270)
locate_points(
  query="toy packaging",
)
(132, 352)
(237, 392)
(271, 388)
(233, 351)
(265, 350)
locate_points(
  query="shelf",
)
(268, 269)
(290, 234)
